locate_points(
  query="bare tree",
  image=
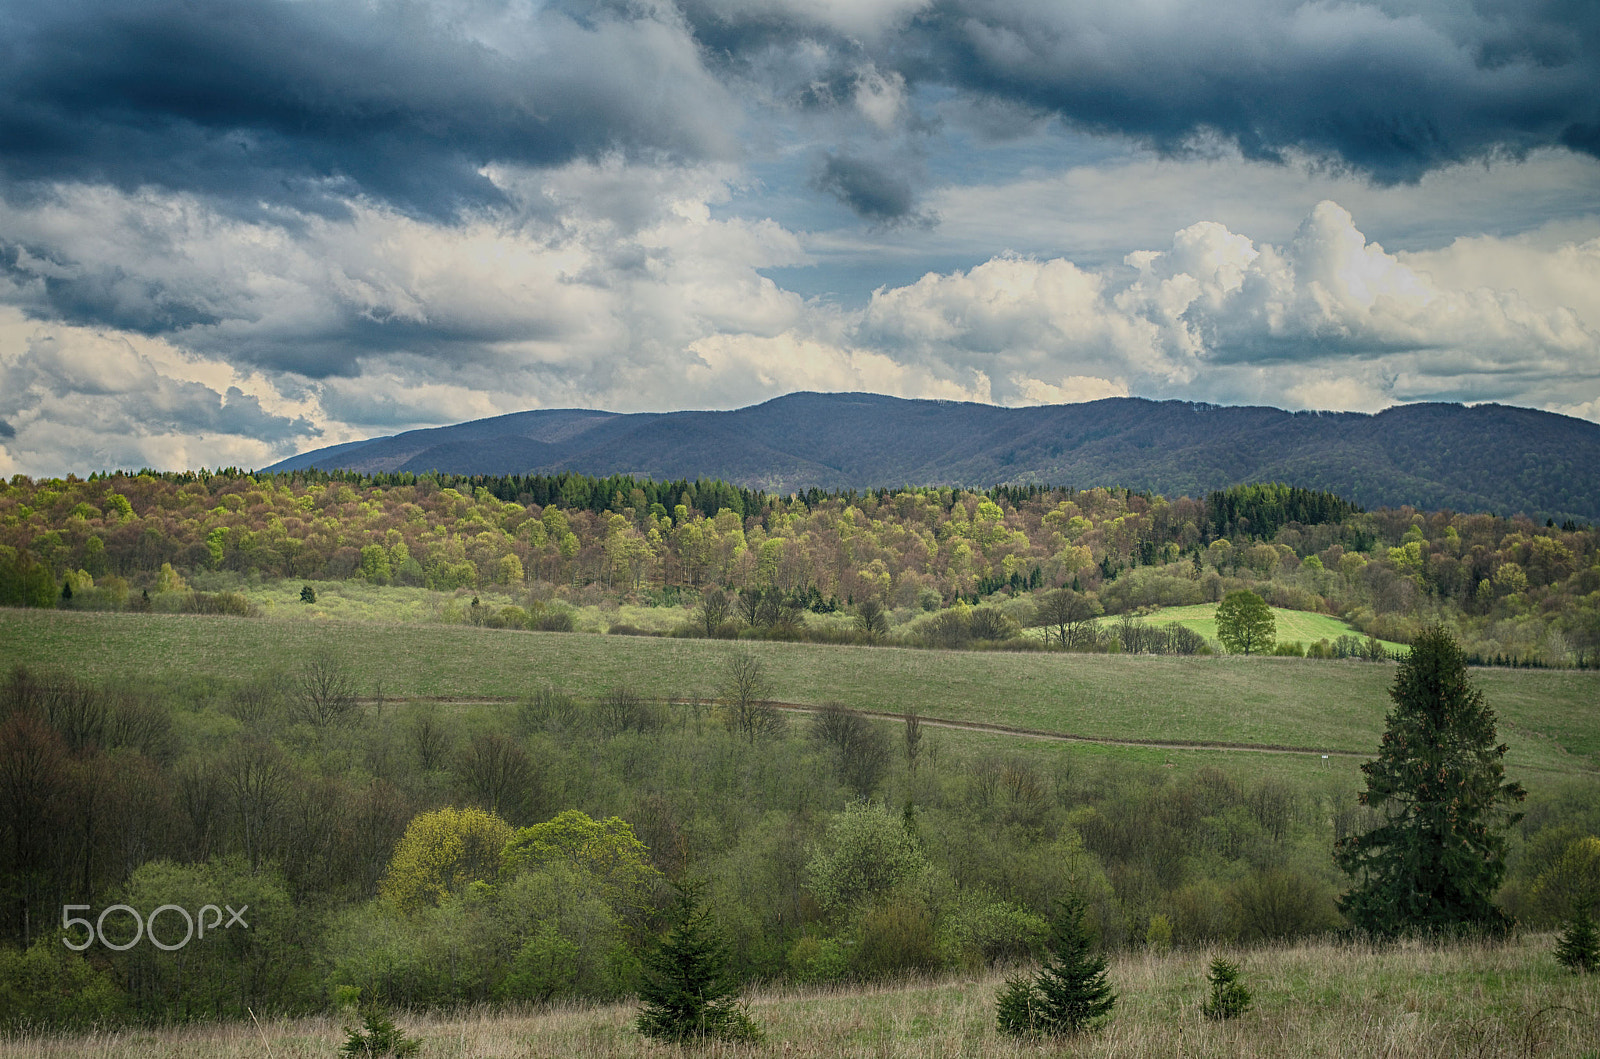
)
(497, 774)
(1066, 613)
(547, 709)
(746, 695)
(622, 709)
(913, 740)
(325, 693)
(431, 740)
(859, 748)
(714, 608)
(259, 779)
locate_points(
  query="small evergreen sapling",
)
(1069, 994)
(1579, 946)
(378, 1037)
(1228, 998)
(688, 992)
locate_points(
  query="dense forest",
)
(1509, 589)
(428, 855)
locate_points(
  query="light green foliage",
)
(1245, 624)
(47, 985)
(865, 855)
(375, 564)
(607, 850)
(441, 854)
(1573, 882)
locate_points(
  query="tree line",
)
(1507, 587)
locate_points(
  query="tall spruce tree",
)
(1435, 860)
(1069, 994)
(688, 992)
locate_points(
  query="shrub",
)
(813, 959)
(554, 620)
(1228, 999)
(896, 937)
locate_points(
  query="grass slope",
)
(1312, 999)
(1300, 625)
(1547, 716)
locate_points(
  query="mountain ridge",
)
(1490, 457)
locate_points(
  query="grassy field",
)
(1300, 625)
(1547, 716)
(1312, 999)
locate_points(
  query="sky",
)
(232, 230)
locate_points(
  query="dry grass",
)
(1312, 999)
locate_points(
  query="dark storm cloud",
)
(871, 191)
(307, 102)
(1392, 88)
(7, 430)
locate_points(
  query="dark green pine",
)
(1437, 858)
(1579, 946)
(1072, 989)
(688, 992)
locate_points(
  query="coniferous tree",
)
(1229, 999)
(1069, 994)
(1579, 946)
(1435, 860)
(689, 993)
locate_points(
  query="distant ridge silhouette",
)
(1495, 458)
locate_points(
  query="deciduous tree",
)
(1245, 624)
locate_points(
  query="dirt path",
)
(969, 726)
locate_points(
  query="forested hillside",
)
(1491, 458)
(1509, 587)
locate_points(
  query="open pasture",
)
(1548, 717)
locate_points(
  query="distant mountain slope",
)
(1488, 458)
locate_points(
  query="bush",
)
(555, 620)
(813, 959)
(47, 987)
(896, 938)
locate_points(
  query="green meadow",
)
(1547, 716)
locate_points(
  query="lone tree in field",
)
(689, 993)
(1069, 994)
(1438, 856)
(1245, 624)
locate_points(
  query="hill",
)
(1493, 458)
